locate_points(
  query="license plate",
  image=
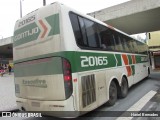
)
(35, 104)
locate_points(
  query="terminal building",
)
(6, 51)
(154, 46)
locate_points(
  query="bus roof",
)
(85, 15)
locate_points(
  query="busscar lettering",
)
(35, 83)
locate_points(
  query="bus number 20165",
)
(87, 61)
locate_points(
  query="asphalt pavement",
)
(7, 93)
(8, 99)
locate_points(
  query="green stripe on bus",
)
(92, 61)
(119, 59)
(53, 21)
(26, 34)
(133, 69)
(47, 66)
(32, 31)
(130, 59)
(141, 59)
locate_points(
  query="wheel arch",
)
(116, 82)
(112, 100)
(149, 70)
(121, 93)
(125, 78)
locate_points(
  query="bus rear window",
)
(85, 32)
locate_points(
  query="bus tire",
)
(112, 94)
(123, 88)
(148, 73)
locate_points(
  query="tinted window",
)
(130, 44)
(107, 38)
(89, 35)
(142, 48)
(91, 31)
(135, 46)
(124, 44)
(76, 29)
(118, 44)
(83, 30)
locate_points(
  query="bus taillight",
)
(67, 75)
(67, 78)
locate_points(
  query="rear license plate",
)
(35, 104)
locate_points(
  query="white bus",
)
(67, 61)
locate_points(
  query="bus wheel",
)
(148, 73)
(123, 88)
(112, 94)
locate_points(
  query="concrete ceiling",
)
(141, 22)
(6, 50)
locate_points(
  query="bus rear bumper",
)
(64, 108)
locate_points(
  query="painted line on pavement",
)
(138, 105)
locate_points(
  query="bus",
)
(67, 61)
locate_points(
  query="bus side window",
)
(129, 44)
(125, 46)
(76, 29)
(142, 48)
(107, 38)
(135, 46)
(118, 45)
(146, 50)
(92, 35)
(83, 31)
